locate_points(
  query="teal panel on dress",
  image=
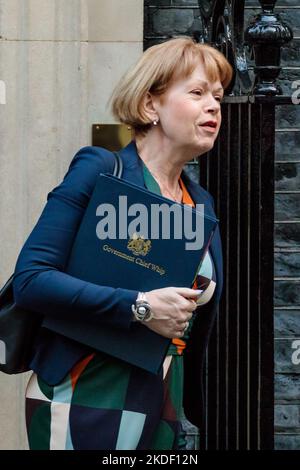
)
(130, 431)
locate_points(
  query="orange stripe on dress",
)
(186, 199)
(79, 368)
(180, 345)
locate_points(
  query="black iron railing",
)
(239, 172)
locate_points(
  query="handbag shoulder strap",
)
(117, 171)
(118, 168)
(6, 292)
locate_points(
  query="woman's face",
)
(184, 109)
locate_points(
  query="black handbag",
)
(18, 327)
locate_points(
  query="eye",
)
(219, 98)
(197, 92)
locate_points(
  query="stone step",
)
(287, 207)
(287, 293)
(287, 323)
(287, 176)
(286, 356)
(287, 418)
(288, 116)
(287, 388)
(287, 264)
(285, 441)
(287, 145)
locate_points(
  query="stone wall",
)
(165, 18)
(59, 62)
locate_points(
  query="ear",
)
(150, 107)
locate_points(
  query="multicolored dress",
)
(107, 404)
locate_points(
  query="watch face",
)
(143, 311)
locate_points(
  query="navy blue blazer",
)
(40, 284)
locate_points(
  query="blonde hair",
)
(156, 69)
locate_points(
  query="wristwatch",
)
(141, 309)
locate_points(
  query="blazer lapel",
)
(133, 168)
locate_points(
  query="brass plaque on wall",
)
(111, 136)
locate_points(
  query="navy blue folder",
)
(146, 260)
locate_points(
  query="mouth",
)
(210, 126)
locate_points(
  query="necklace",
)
(153, 184)
(176, 199)
(173, 196)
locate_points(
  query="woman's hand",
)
(172, 308)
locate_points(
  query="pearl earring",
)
(155, 122)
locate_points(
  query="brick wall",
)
(287, 245)
(165, 18)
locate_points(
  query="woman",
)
(78, 398)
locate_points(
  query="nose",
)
(212, 105)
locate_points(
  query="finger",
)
(187, 293)
(189, 305)
(178, 334)
(193, 305)
(182, 321)
(182, 325)
(182, 328)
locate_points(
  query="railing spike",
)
(267, 33)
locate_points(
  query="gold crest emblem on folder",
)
(138, 245)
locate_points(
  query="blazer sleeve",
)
(40, 285)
